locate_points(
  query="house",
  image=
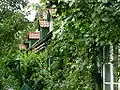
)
(37, 41)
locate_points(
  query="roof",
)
(25, 87)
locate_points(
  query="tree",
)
(82, 28)
(12, 26)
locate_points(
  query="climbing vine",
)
(74, 58)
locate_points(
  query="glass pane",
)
(115, 64)
(107, 87)
(119, 87)
(107, 73)
(107, 52)
(116, 74)
(116, 87)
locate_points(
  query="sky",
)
(31, 17)
(33, 1)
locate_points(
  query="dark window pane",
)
(107, 73)
(107, 87)
(115, 87)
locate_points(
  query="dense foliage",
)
(74, 57)
(12, 28)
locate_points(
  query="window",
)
(111, 79)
